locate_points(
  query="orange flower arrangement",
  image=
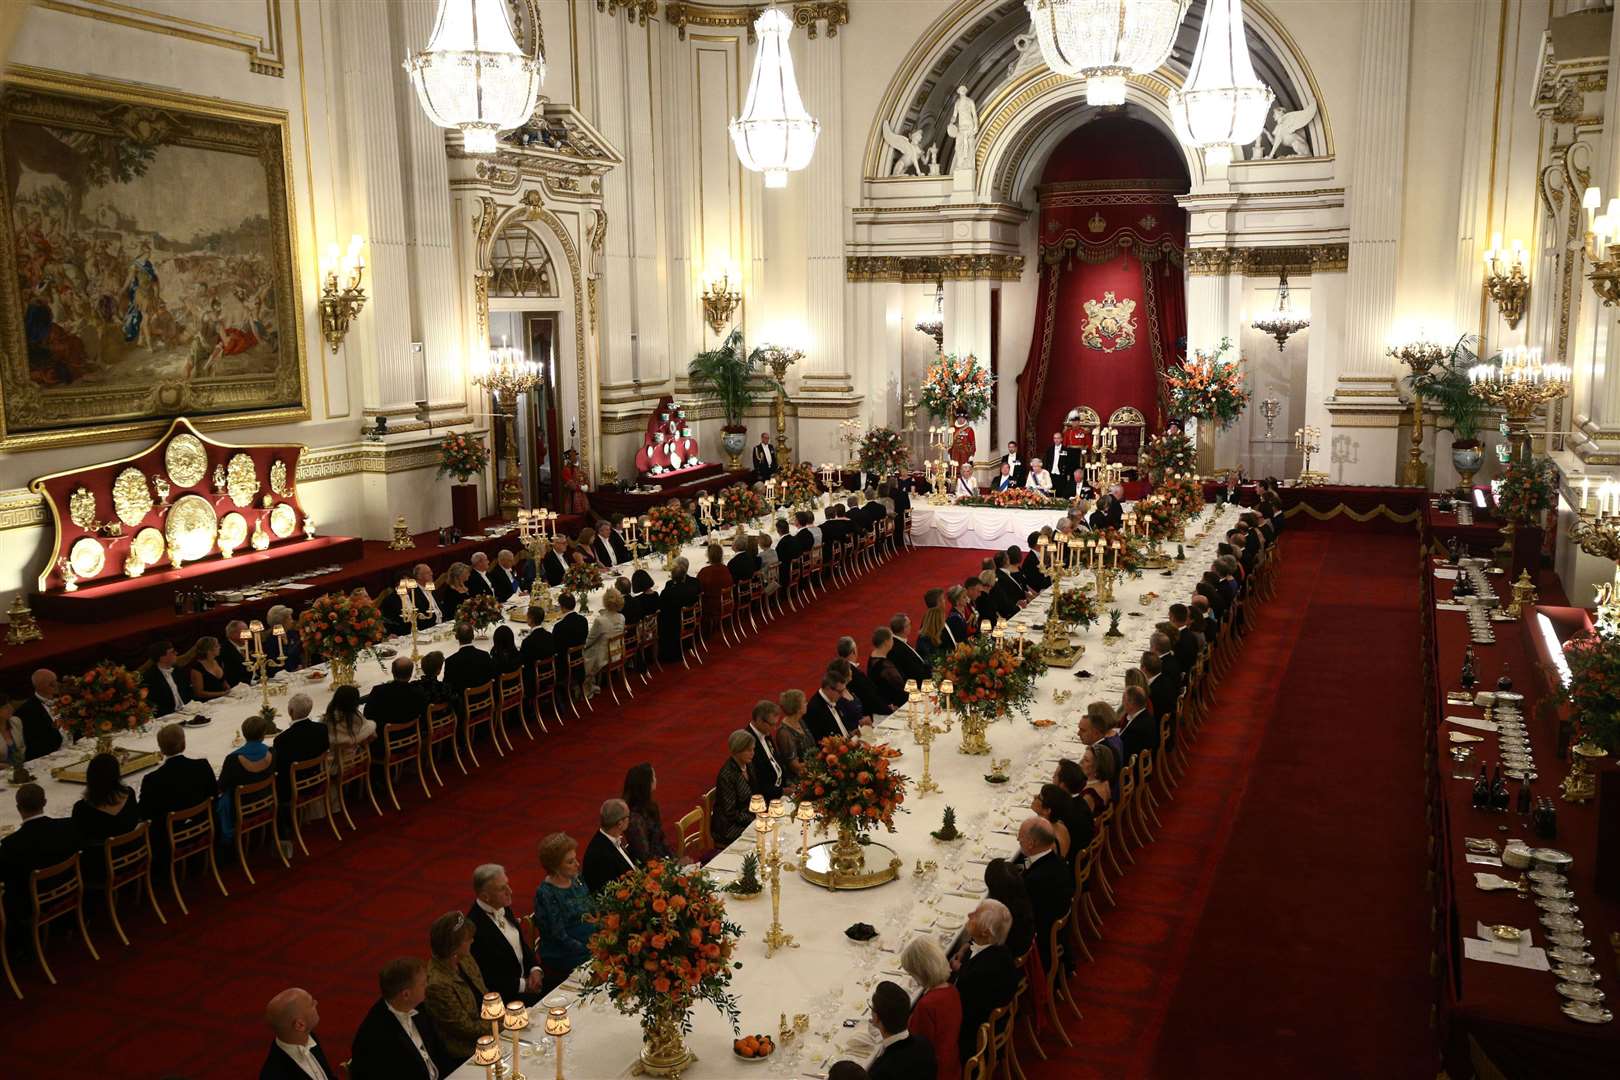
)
(988, 679)
(103, 701)
(663, 943)
(851, 784)
(340, 626)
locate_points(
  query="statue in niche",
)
(910, 149)
(933, 160)
(964, 125)
(1288, 131)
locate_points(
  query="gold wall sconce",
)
(1603, 246)
(1506, 281)
(341, 294)
(720, 301)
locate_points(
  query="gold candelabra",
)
(1419, 355)
(1506, 281)
(1600, 537)
(1056, 648)
(341, 294)
(720, 301)
(779, 358)
(259, 662)
(1603, 246)
(1518, 386)
(407, 608)
(920, 713)
(1308, 441)
(506, 373)
(769, 821)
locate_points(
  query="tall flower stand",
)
(464, 507)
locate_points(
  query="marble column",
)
(826, 366)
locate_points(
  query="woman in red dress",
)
(715, 580)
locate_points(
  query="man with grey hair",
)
(479, 580)
(730, 816)
(861, 684)
(605, 856)
(505, 575)
(36, 717)
(986, 972)
(505, 959)
(1047, 879)
(230, 653)
(680, 593)
(304, 740)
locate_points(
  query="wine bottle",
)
(1482, 789)
(1505, 681)
(1524, 796)
(1499, 790)
(1469, 674)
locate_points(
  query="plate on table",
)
(200, 720)
(1571, 957)
(1575, 974)
(1580, 992)
(1587, 1013)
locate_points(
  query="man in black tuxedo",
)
(1048, 879)
(903, 656)
(986, 972)
(836, 528)
(900, 1055)
(764, 458)
(681, 591)
(765, 773)
(396, 1040)
(821, 715)
(554, 566)
(1162, 690)
(295, 1055)
(537, 645)
(394, 613)
(505, 959)
(809, 534)
(504, 575)
(303, 740)
(609, 548)
(743, 565)
(1189, 642)
(571, 630)
(37, 715)
(230, 654)
(1138, 730)
(1008, 591)
(1017, 465)
(164, 689)
(1112, 509)
(468, 666)
(399, 701)
(987, 607)
(1064, 460)
(179, 783)
(861, 685)
(789, 546)
(480, 581)
(38, 842)
(605, 856)
(1029, 570)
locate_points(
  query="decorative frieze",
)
(1269, 261)
(680, 15)
(931, 268)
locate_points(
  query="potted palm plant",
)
(1448, 386)
(724, 373)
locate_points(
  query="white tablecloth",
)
(829, 977)
(976, 527)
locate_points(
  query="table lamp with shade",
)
(493, 1009)
(558, 1026)
(514, 1020)
(487, 1053)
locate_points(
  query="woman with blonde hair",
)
(936, 1010)
(608, 624)
(794, 742)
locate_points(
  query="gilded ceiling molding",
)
(1267, 261)
(931, 268)
(680, 15)
(266, 53)
(637, 11)
(834, 13)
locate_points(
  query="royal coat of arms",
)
(1110, 324)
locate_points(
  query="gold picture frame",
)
(225, 355)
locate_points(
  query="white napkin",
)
(1491, 882)
(1478, 725)
(1442, 574)
(1533, 959)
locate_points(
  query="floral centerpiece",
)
(662, 944)
(989, 679)
(1077, 606)
(1184, 491)
(956, 386)
(341, 627)
(1163, 455)
(1208, 386)
(582, 579)
(1014, 498)
(462, 457)
(1133, 554)
(669, 528)
(1594, 686)
(480, 611)
(742, 503)
(1157, 518)
(105, 700)
(882, 451)
(799, 487)
(1525, 492)
(853, 789)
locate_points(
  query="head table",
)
(829, 977)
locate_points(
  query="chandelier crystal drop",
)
(1222, 104)
(1103, 41)
(774, 135)
(473, 76)
(1284, 322)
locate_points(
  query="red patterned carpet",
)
(1277, 925)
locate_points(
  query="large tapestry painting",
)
(148, 257)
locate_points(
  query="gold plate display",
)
(278, 477)
(186, 459)
(132, 496)
(232, 531)
(82, 509)
(191, 527)
(283, 520)
(242, 480)
(148, 546)
(87, 557)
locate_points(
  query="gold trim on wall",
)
(1268, 261)
(265, 55)
(931, 268)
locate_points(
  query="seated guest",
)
(560, 905)
(503, 956)
(506, 573)
(1029, 569)
(847, 1070)
(608, 625)
(164, 691)
(347, 731)
(1072, 821)
(38, 842)
(468, 666)
(554, 566)
(642, 601)
(397, 1041)
(247, 764)
(714, 579)
(900, 1054)
(744, 562)
(455, 986)
(731, 817)
(794, 743)
(937, 1013)
(230, 652)
(606, 857)
(37, 715)
(986, 973)
(207, 675)
(861, 686)
(571, 631)
(431, 684)
(177, 784)
(766, 774)
(681, 591)
(850, 708)
(823, 717)
(1203, 620)
(482, 580)
(965, 486)
(1004, 480)
(107, 808)
(1162, 691)
(306, 739)
(538, 646)
(1138, 730)
(503, 651)
(1189, 643)
(1039, 479)
(1048, 879)
(1004, 881)
(932, 637)
(1100, 767)
(608, 547)
(1006, 591)
(959, 599)
(770, 563)
(395, 614)
(286, 652)
(881, 670)
(645, 837)
(398, 701)
(903, 656)
(453, 590)
(294, 1053)
(987, 607)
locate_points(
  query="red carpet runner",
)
(1276, 927)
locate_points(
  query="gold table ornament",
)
(22, 628)
(841, 864)
(191, 527)
(148, 545)
(402, 540)
(1580, 786)
(278, 478)
(82, 509)
(233, 532)
(241, 480)
(132, 497)
(283, 520)
(87, 557)
(186, 460)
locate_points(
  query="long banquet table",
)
(975, 527)
(1500, 1020)
(829, 977)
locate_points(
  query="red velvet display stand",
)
(464, 507)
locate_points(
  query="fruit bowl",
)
(753, 1048)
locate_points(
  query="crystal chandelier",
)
(1222, 104)
(1105, 40)
(1285, 321)
(774, 135)
(473, 76)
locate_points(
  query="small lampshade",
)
(984, 626)
(947, 688)
(911, 686)
(486, 1051)
(256, 626)
(494, 1008)
(756, 805)
(557, 1022)
(806, 812)
(778, 808)
(516, 1017)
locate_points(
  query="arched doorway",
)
(1111, 311)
